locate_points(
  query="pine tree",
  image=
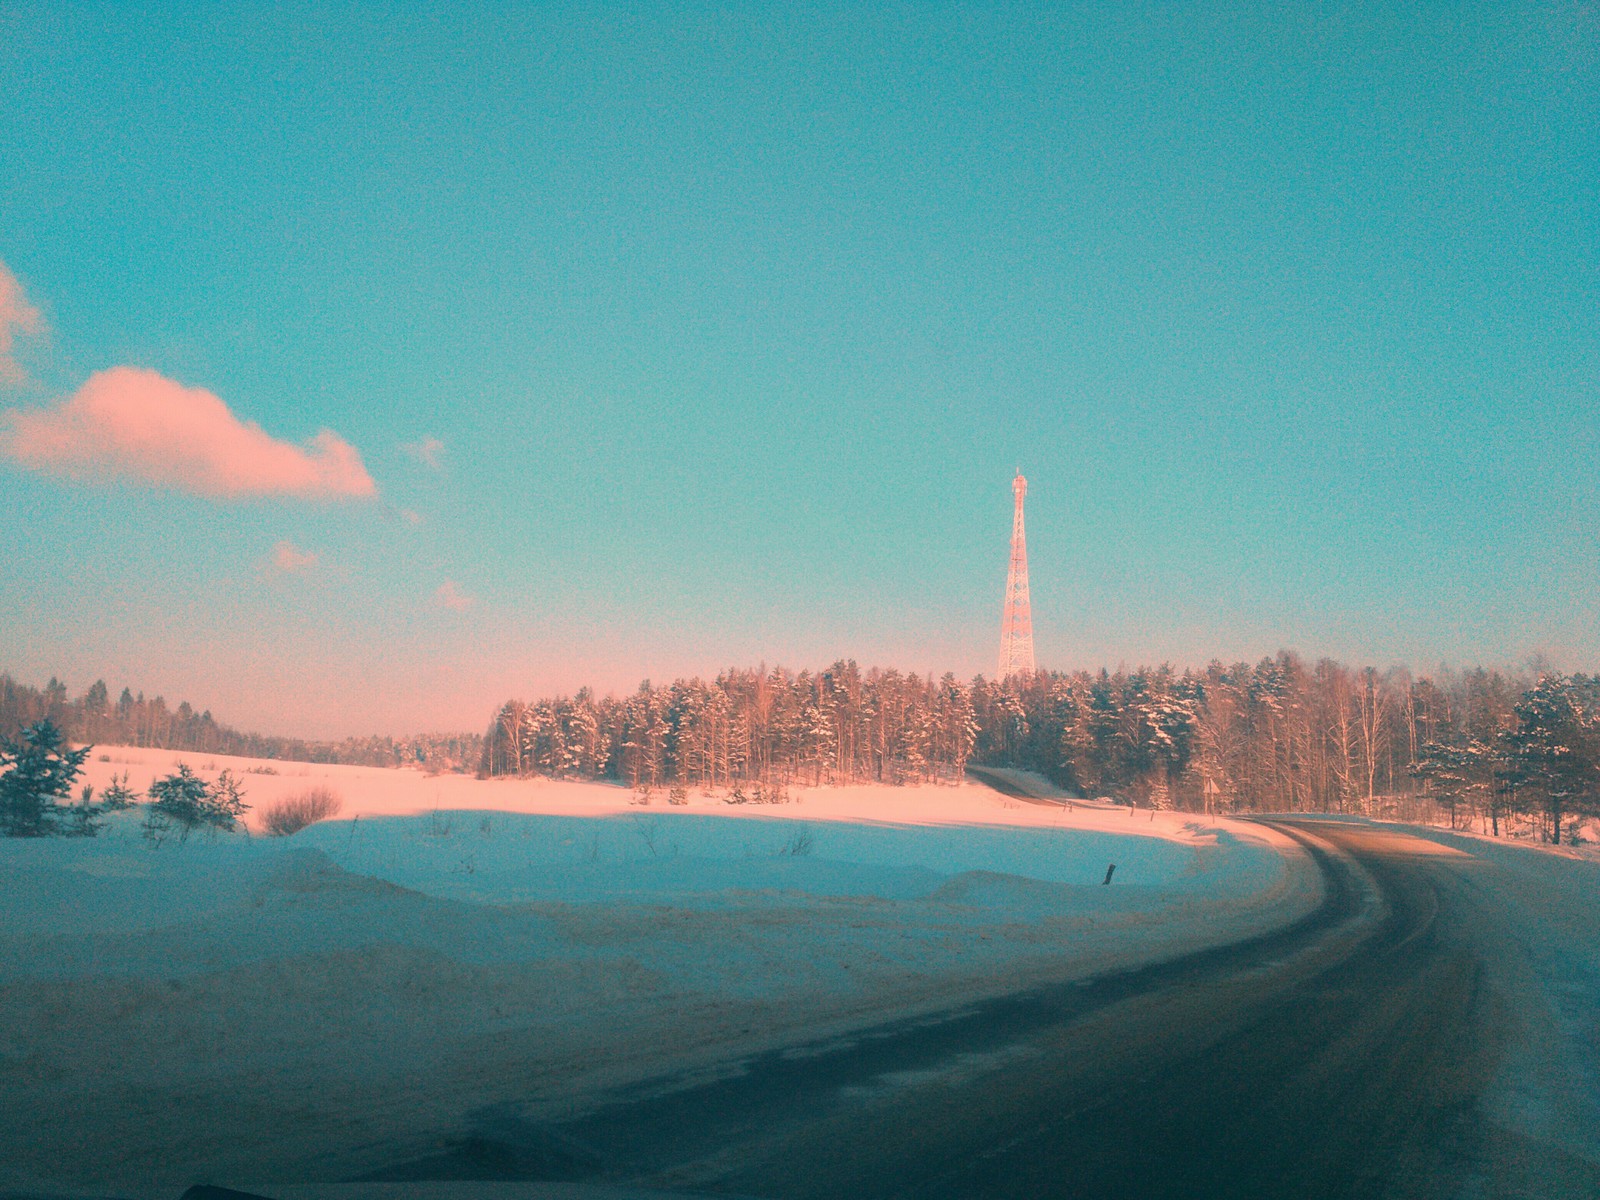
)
(1552, 746)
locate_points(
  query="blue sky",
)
(734, 325)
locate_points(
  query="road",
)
(1006, 784)
(1354, 1054)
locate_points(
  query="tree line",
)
(132, 720)
(1277, 735)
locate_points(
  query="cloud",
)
(16, 316)
(291, 560)
(132, 424)
(452, 597)
(429, 452)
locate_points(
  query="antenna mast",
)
(1016, 620)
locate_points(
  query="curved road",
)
(1372, 1049)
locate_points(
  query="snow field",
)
(449, 943)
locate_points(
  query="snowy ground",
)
(1547, 909)
(1585, 846)
(210, 1007)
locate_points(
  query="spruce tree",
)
(36, 786)
(186, 802)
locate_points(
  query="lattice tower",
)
(1016, 621)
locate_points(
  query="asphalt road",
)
(1349, 1055)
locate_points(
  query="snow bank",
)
(450, 943)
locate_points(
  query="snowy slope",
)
(456, 941)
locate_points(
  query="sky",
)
(362, 366)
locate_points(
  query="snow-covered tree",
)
(1457, 775)
(1552, 748)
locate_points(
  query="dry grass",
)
(285, 817)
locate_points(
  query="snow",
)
(1533, 914)
(1547, 921)
(1586, 846)
(449, 942)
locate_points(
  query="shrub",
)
(799, 845)
(761, 794)
(678, 795)
(286, 817)
(776, 794)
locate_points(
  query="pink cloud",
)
(132, 424)
(291, 560)
(16, 316)
(452, 597)
(429, 451)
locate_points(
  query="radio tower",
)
(1016, 622)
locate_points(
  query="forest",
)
(1481, 745)
(132, 720)
(1499, 750)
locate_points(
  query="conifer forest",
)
(1280, 735)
